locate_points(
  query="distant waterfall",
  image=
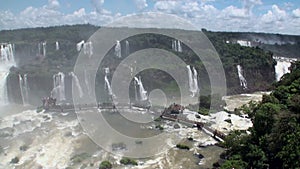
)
(79, 45)
(282, 66)
(127, 48)
(88, 48)
(75, 81)
(42, 48)
(107, 84)
(44, 44)
(118, 49)
(193, 80)
(142, 96)
(24, 88)
(7, 60)
(243, 81)
(56, 45)
(58, 91)
(176, 46)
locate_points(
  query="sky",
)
(271, 16)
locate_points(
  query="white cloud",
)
(201, 13)
(296, 13)
(234, 12)
(141, 4)
(53, 4)
(274, 15)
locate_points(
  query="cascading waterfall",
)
(127, 48)
(176, 45)
(75, 81)
(193, 80)
(44, 48)
(58, 91)
(79, 45)
(56, 45)
(282, 66)
(24, 88)
(88, 48)
(142, 92)
(7, 60)
(107, 84)
(243, 81)
(118, 49)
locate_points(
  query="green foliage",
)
(128, 161)
(274, 138)
(234, 162)
(105, 165)
(183, 147)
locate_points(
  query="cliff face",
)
(257, 64)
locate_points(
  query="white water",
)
(176, 46)
(193, 80)
(7, 60)
(58, 91)
(107, 84)
(79, 45)
(243, 81)
(44, 48)
(56, 45)
(282, 66)
(88, 48)
(142, 92)
(244, 43)
(127, 48)
(75, 81)
(24, 88)
(118, 49)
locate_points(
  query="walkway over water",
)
(219, 136)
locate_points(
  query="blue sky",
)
(274, 16)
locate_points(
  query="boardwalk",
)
(201, 126)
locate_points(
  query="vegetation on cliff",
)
(274, 138)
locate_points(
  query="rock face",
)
(258, 65)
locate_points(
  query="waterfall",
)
(7, 60)
(193, 80)
(142, 92)
(243, 81)
(176, 46)
(127, 48)
(107, 84)
(282, 66)
(44, 48)
(179, 48)
(79, 45)
(88, 48)
(58, 90)
(56, 45)
(118, 49)
(75, 81)
(24, 88)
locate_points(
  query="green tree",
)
(105, 165)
